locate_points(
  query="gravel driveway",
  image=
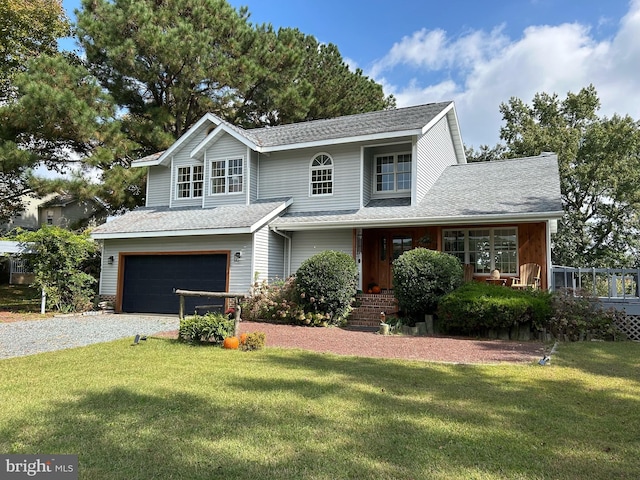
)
(30, 337)
(35, 336)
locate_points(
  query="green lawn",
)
(165, 410)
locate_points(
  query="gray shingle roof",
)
(401, 119)
(507, 188)
(152, 220)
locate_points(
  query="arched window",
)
(321, 175)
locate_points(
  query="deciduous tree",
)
(599, 161)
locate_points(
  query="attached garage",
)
(148, 280)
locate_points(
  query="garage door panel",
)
(149, 281)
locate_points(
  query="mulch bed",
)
(370, 344)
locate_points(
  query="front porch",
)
(485, 247)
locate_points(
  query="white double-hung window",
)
(392, 173)
(189, 181)
(486, 249)
(227, 176)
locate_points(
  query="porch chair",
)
(529, 277)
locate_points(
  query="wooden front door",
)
(380, 248)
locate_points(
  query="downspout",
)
(549, 265)
(287, 250)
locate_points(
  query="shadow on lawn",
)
(405, 420)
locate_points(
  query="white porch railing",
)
(617, 288)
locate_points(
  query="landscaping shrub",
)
(276, 303)
(476, 307)
(211, 327)
(326, 284)
(421, 277)
(254, 341)
(64, 266)
(580, 316)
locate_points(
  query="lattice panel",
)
(630, 326)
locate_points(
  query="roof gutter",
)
(422, 221)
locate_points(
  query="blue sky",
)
(476, 53)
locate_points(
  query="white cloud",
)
(482, 70)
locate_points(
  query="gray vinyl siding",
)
(254, 171)
(224, 148)
(181, 158)
(158, 186)
(435, 153)
(305, 244)
(369, 169)
(240, 274)
(367, 176)
(268, 255)
(287, 173)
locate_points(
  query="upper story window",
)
(190, 181)
(485, 249)
(321, 175)
(393, 173)
(227, 176)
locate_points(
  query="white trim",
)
(171, 192)
(226, 160)
(408, 192)
(162, 159)
(171, 233)
(418, 221)
(492, 249)
(222, 128)
(437, 118)
(191, 182)
(205, 231)
(548, 239)
(338, 141)
(313, 158)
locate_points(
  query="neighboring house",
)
(13, 267)
(228, 206)
(62, 210)
(67, 211)
(28, 218)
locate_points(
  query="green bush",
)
(476, 307)
(64, 266)
(326, 284)
(580, 316)
(211, 327)
(254, 341)
(421, 277)
(276, 303)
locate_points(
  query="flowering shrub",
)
(580, 316)
(319, 295)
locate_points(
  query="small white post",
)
(43, 302)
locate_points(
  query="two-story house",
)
(228, 206)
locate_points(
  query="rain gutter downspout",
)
(287, 252)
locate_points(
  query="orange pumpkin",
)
(243, 338)
(376, 289)
(231, 342)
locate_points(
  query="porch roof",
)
(165, 221)
(516, 190)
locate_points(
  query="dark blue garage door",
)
(149, 281)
